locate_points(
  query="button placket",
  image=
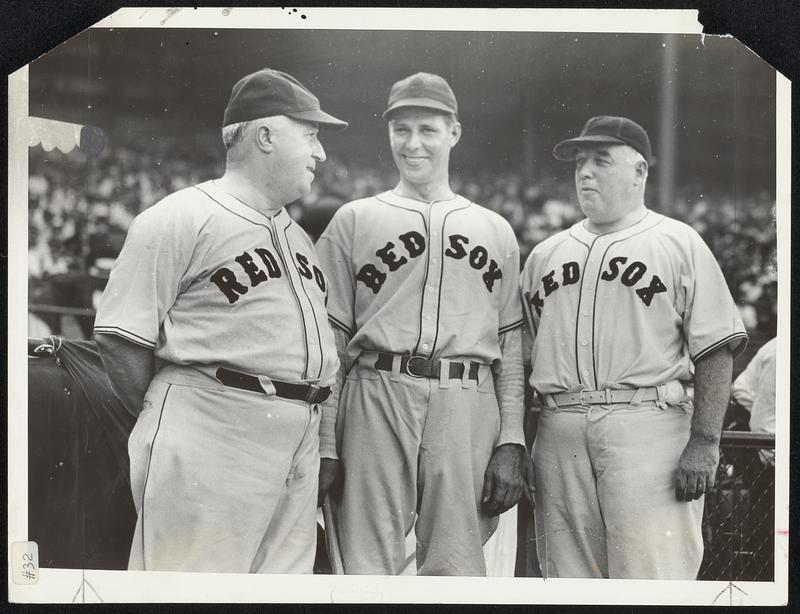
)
(303, 301)
(430, 296)
(584, 329)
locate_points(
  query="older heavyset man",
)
(625, 309)
(426, 310)
(213, 330)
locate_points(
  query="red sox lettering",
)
(629, 277)
(414, 244)
(232, 288)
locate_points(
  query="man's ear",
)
(264, 138)
(640, 171)
(455, 133)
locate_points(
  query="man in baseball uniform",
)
(427, 317)
(625, 309)
(213, 331)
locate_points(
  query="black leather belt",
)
(297, 392)
(417, 366)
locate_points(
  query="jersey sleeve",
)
(710, 318)
(334, 249)
(510, 305)
(147, 276)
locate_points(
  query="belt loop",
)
(550, 402)
(444, 373)
(267, 385)
(465, 381)
(397, 360)
(661, 395)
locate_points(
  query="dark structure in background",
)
(708, 102)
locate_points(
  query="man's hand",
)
(329, 474)
(697, 469)
(509, 474)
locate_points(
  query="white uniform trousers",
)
(605, 494)
(224, 480)
(415, 450)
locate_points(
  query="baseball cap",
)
(422, 89)
(607, 129)
(269, 92)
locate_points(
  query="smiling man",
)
(214, 333)
(425, 422)
(625, 309)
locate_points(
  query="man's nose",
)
(413, 141)
(319, 152)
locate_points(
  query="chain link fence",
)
(739, 516)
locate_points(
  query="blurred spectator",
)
(754, 390)
(80, 209)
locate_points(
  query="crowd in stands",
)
(80, 208)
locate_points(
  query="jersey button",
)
(429, 288)
(585, 373)
(586, 313)
(584, 343)
(424, 346)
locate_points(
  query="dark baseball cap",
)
(424, 90)
(607, 129)
(268, 93)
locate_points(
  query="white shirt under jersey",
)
(632, 308)
(206, 281)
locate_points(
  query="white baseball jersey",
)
(207, 281)
(435, 280)
(632, 308)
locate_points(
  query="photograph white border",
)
(63, 586)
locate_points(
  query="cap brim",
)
(321, 117)
(420, 103)
(566, 150)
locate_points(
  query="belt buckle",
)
(408, 366)
(311, 394)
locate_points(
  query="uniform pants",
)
(223, 480)
(605, 495)
(415, 450)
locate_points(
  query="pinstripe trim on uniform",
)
(279, 249)
(597, 282)
(147, 472)
(427, 255)
(720, 343)
(578, 314)
(341, 325)
(125, 334)
(415, 200)
(512, 326)
(441, 280)
(313, 313)
(229, 210)
(398, 206)
(577, 238)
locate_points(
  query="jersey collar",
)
(650, 219)
(233, 204)
(456, 202)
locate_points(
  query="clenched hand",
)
(697, 469)
(508, 476)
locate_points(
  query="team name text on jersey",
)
(571, 274)
(232, 288)
(414, 244)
